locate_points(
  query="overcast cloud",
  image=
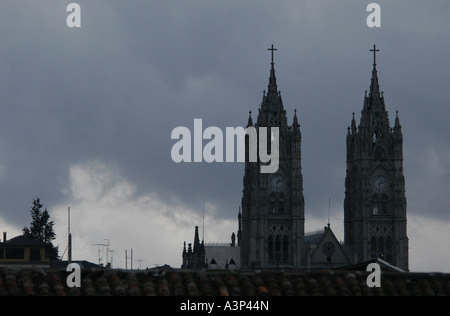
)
(86, 113)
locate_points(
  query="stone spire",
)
(295, 124)
(250, 121)
(196, 239)
(272, 89)
(375, 201)
(374, 86)
(271, 112)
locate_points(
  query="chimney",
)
(4, 236)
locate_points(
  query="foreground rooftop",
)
(166, 281)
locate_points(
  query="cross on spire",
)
(272, 49)
(374, 50)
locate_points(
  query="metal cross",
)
(374, 50)
(272, 49)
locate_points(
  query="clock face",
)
(277, 182)
(328, 249)
(379, 184)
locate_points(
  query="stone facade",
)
(375, 201)
(273, 207)
(271, 230)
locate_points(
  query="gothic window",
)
(276, 203)
(272, 203)
(285, 248)
(380, 204)
(375, 210)
(277, 248)
(381, 247)
(375, 205)
(270, 248)
(389, 249)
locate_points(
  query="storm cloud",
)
(86, 113)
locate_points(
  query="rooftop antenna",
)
(329, 207)
(203, 219)
(101, 251)
(69, 245)
(107, 251)
(112, 256)
(128, 257)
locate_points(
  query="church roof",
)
(175, 282)
(315, 237)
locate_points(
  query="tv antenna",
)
(329, 211)
(203, 219)
(101, 251)
(69, 239)
(112, 253)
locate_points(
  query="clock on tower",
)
(272, 219)
(375, 201)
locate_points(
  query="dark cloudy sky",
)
(86, 113)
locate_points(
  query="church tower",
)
(272, 221)
(375, 201)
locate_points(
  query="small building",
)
(25, 250)
(221, 256)
(212, 256)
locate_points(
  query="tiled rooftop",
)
(174, 282)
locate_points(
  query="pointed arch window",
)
(270, 246)
(375, 205)
(276, 203)
(277, 248)
(388, 249)
(380, 204)
(381, 252)
(285, 248)
(272, 203)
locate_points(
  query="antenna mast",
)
(69, 245)
(329, 207)
(203, 233)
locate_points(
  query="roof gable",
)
(327, 249)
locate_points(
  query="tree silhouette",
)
(41, 228)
